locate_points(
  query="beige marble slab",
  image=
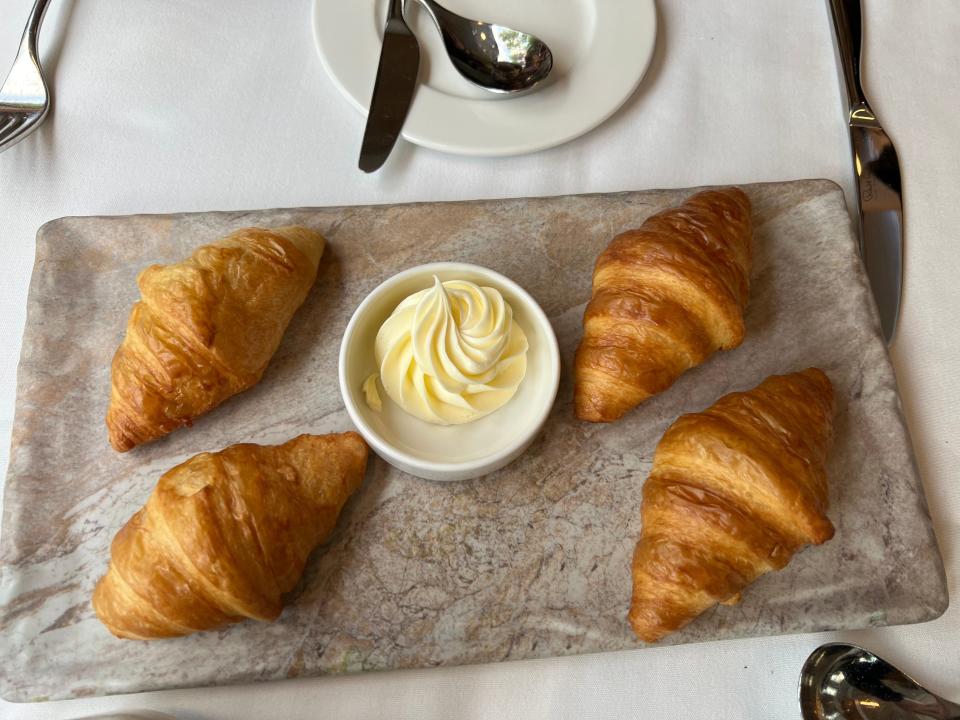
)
(530, 562)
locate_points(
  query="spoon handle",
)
(930, 707)
(438, 13)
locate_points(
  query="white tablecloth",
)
(170, 106)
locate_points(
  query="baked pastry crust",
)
(734, 492)
(224, 535)
(206, 328)
(665, 297)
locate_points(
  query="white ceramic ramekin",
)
(452, 452)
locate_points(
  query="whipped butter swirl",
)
(452, 353)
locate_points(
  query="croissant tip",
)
(121, 443)
(644, 631)
(589, 407)
(356, 442)
(308, 241)
(823, 534)
(348, 436)
(816, 373)
(732, 190)
(595, 412)
(100, 612)
(591, 416)
(355, 436)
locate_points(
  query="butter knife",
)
(877, 173)
(392, 91)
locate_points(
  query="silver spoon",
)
(846, 682)
(491, 56)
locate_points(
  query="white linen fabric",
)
(166, 106)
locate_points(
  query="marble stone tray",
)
(533, 561)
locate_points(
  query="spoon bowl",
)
(493, 57)
(846, 682)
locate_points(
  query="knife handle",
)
(395, 11)
(848, 28)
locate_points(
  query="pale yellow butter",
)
(450, 354)
(371, 394)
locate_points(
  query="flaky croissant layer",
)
(205, 329)
(224, 535)
(734, 492)
(665, 297)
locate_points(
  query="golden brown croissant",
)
(206, 328)
(665, 297)
(734, 492)
(224, 535)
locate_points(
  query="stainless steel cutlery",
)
(490, 56)
(24, 95)
(392, 90)
(877, 173)
(845, 682)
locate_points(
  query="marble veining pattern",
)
(530, 562)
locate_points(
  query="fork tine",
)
(13, 131)
(10, 123)
(7, 120)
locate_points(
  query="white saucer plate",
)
(601, 49)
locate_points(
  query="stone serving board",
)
(533, 561)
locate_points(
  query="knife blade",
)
(392, 91)
(877, 170)
(881, 219)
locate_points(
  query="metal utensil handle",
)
(848, 24)
(33, 26)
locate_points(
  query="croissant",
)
(665, 297)
(734, 492)
(206, 328)
(224, 535)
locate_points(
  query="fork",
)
(24, 95)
